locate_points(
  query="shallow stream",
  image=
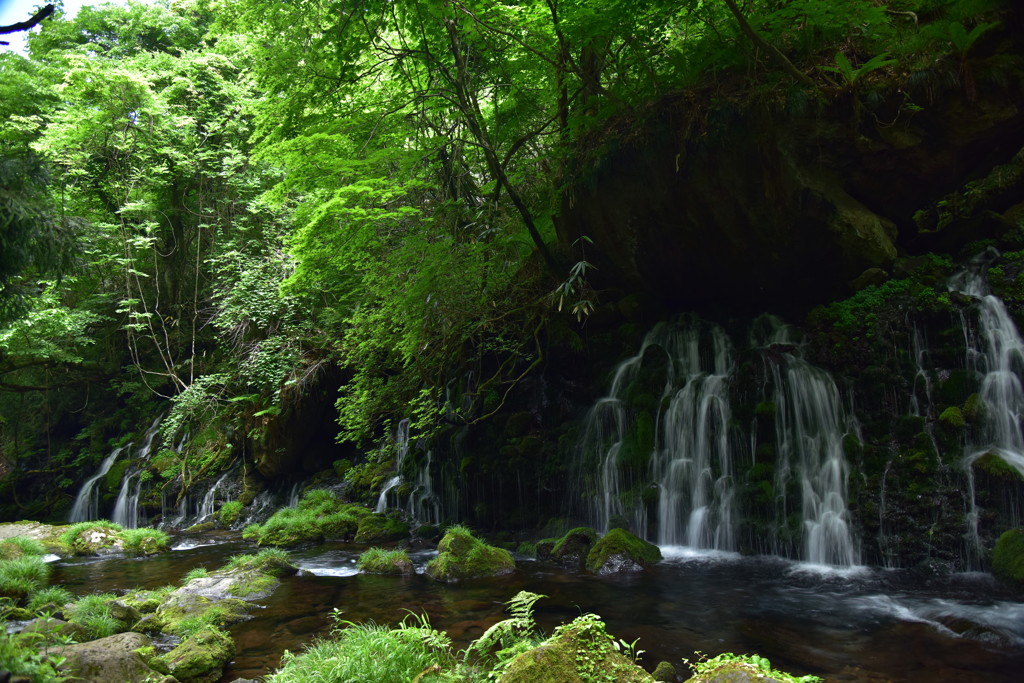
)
(854, 625)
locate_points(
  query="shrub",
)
(19, 657)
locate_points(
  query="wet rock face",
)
(108, 659)
(760, 210)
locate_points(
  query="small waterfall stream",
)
(401, 450)
(126, 508)
(86, 505)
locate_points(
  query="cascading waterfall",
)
(810, 424)
(422, 504)
(87, 502)
(126, 508)
(694, 454)
(996, 353)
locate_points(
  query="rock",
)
(200, 657)
(462, 556)
(108, 659)
(664, 672)
(376, 528)
(54, 626)
(571, 550)
(47, 534)
(580, 651)
(378, 561)
(1008, 556)
(621, 551)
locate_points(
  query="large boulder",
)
(377, 528)
(1008, 556)
(579, 651)
(115, 658)
(571, 549)
(463, 556)
(620, 551)
(200, 657)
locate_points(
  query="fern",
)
(511, 636)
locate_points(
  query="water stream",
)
(848, 625)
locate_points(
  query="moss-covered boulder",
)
(200, 657)
(377, 528)
(463, 556)
(1008, 556)
(115, 658)
(579, 651)
(572, 549)
(621, 551)
(380, 561)
(320, 514)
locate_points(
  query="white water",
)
(699, 452)
(86, 506)
(126, 508)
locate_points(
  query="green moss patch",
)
(201, 656)
(1008, 556)
(375, 528)
(380, 561)
(571, 549)
(619, 551)
(463, 556)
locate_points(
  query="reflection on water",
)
(854, 625)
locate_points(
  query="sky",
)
(14, 11)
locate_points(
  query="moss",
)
(664, 672)
(1008, 556)
(462, 556)
(577, 652)
(376, 528)
(572, 548)
(620, 550)
(229, 513)
(201, 656)
(974, 409)
(994, 466)
(952, 418)
(527, 549)
(200, 528)
(544, 548)
(380, 561)
(88, 538)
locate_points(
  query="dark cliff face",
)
(749, 209)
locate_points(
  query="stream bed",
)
(851, 625)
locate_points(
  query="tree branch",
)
(760, 42)
(26, 25)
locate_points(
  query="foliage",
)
(73, 537)
(370, 652)
(54, 595)
(379, 561)
(268, 557)
(229, 512)
(20, 656)
(753, 665)
(507, 639)
(17, 546)
(195, 573)
(144, 541)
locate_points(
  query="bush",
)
(19, 656)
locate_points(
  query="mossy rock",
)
(621, 551)
(462, 556)
(578, 653)
(952, 419)
(994, 466)
(200, 657)
(376, 528)
(1008, 556)
(391, 563)
(572, 549)
(664, 672)
(544, 548)
(974, 409)
(229, 513)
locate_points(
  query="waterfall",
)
(810, 425)
(206, 506)
(401, 450)
(87, 502)
(667, 428)
(423, 504)
(126, 508)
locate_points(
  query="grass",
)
(71, 539)
(195, 573)
(380, 561)
(370, 652)
(263, 557)
(145, 541)
(21, 577)
(92, 612)
(18, 546)
(229, 512)
(54, 595)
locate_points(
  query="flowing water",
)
(845, 625)
(86, 505)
